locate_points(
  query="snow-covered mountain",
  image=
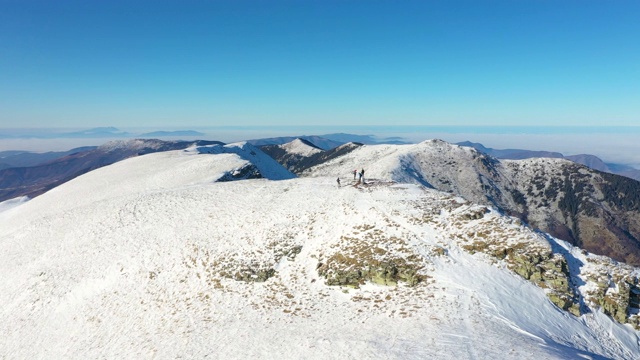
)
(153, 256)
(317, 141)
(34, 180)
(597, 211)
(299, 154)
(291, 154)
(300, 147)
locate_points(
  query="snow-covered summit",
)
(301, 147)
(151, 257)
(433, 163)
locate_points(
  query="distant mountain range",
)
(9, 159)
(591, 161)
(97, 133)
(316, 141)
(329, 141)
(189, 133)
(324, 142)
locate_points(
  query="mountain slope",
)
(292, 153)
(595, 210)
(591, 161)
(35, 180)
(151, 257)
(300, 154)
(9, 159)
(511, 154)
(598, 211)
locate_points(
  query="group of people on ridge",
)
(356, 173)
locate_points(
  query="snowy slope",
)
(8, 204)
(433, 163)
(150, 257)
(401, 163)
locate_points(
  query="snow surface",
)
(11, 203)
(298, 147)
(125, 262)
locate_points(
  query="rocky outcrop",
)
(348, 271)
(577, 284)
(247, 267)
(538, 265)
(614, 289)
(248, 171)
(365, 258)
(548, 271)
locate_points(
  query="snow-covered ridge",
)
(159, 172)
(539, 162)
(268, 167)
(385, 161)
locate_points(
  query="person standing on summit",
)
(354, 174)
(362, 175)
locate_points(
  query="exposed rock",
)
(252, 275)
(343, 271)
(248, 267)
(616, 291)
(248, 171)
(356, 261)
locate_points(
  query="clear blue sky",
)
(217, 63)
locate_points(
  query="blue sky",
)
(358, 63)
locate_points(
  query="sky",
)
(82, 64)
